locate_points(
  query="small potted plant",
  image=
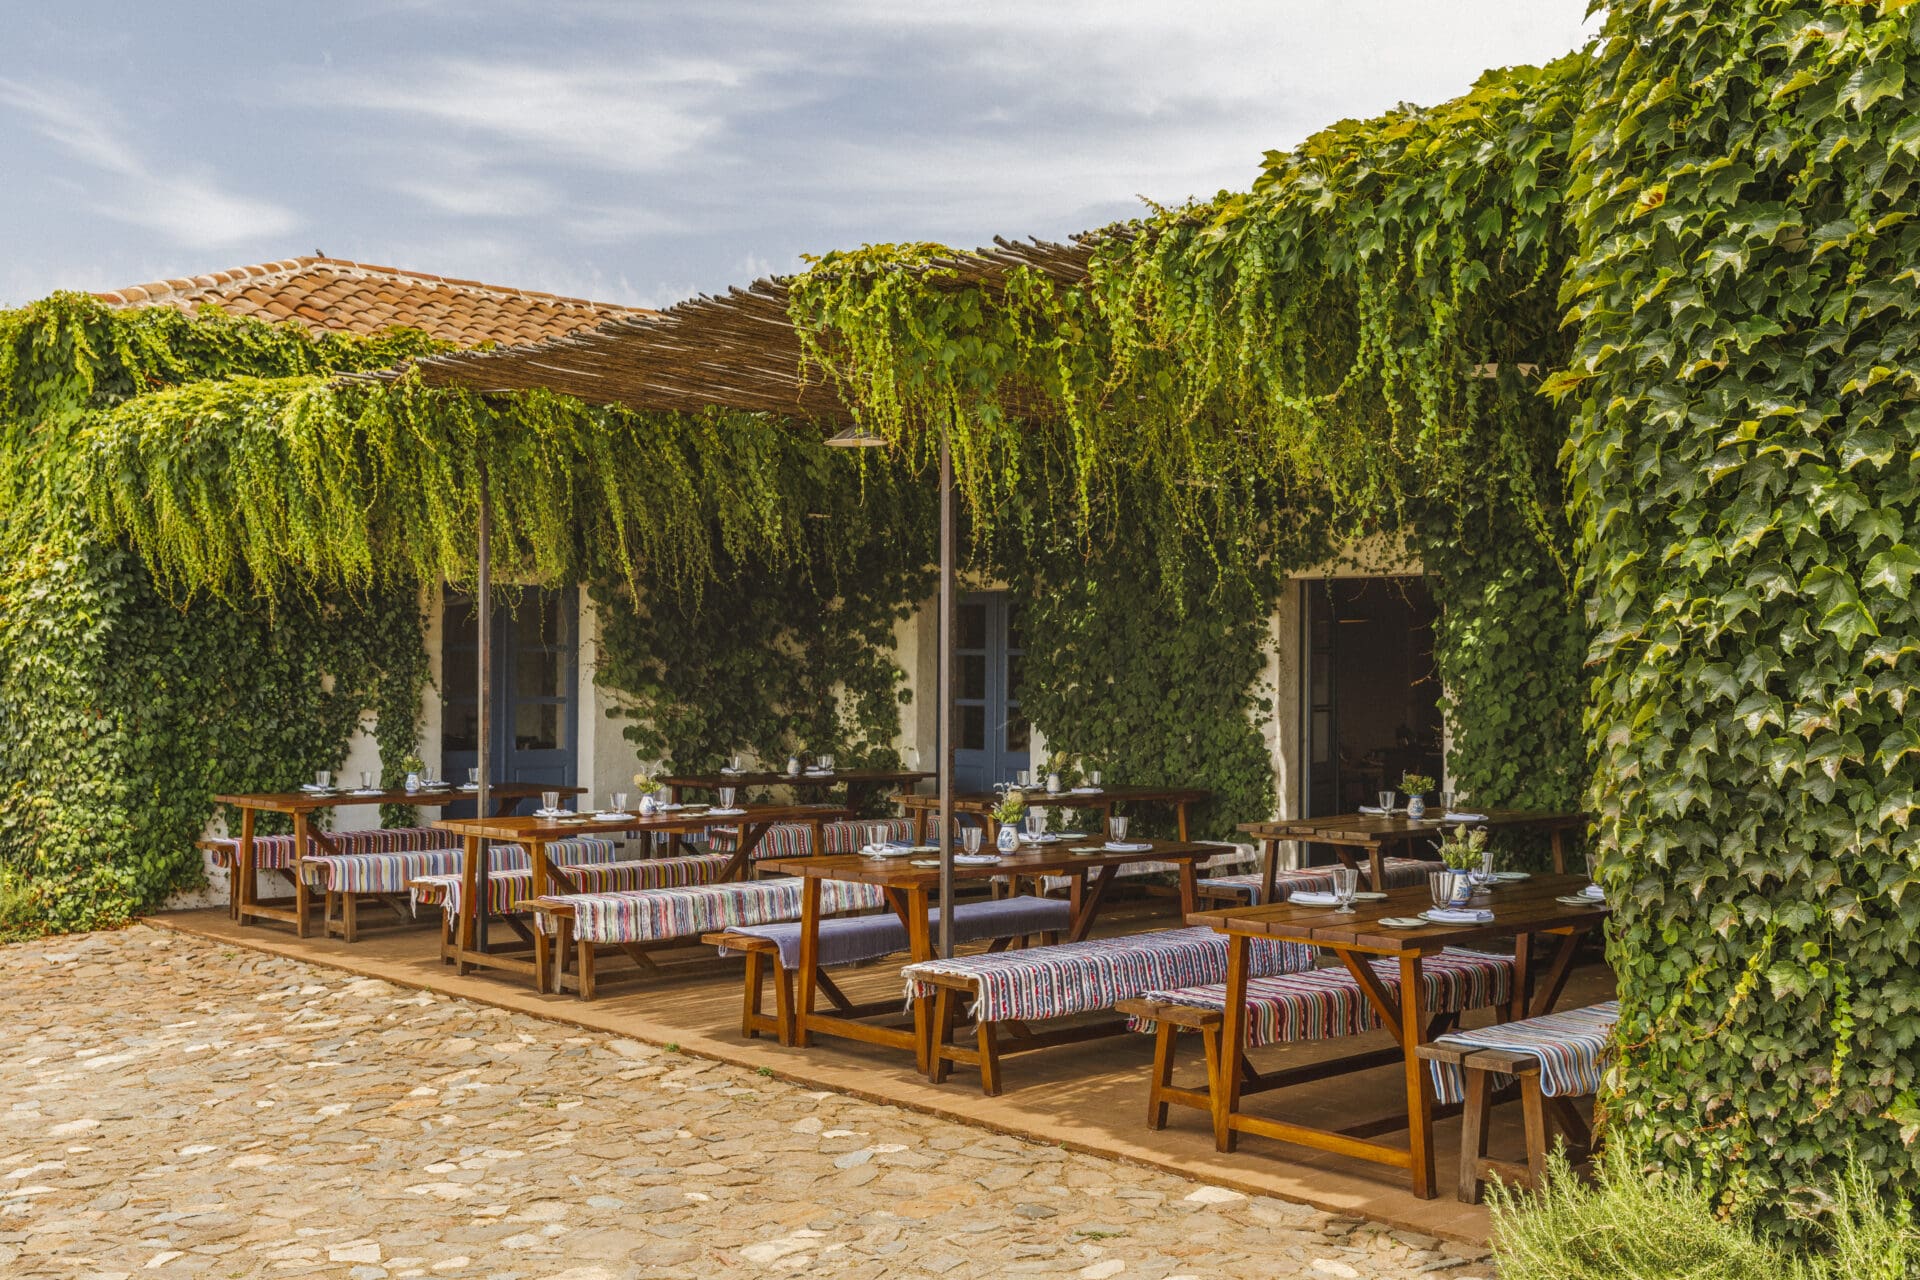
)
(1416, 785)
(1464, 851)
(1056, 772)
(1008, 814)
(411, 766)
(646, 784)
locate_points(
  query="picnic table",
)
(981, 804)
(1526, 912)
(909, 890)
(1353, 836)
(473, 949)
(302, 805)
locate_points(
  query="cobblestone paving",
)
(170, 1107)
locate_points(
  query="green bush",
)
(1637, 1221)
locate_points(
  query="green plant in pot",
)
(1464, 852)
(1416, 785)
(1008, 814)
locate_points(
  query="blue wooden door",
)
(991, 733)
(534, 682)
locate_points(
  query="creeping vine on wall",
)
(1747, 388)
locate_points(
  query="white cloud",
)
(190, 208)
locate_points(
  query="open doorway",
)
(1372, 692)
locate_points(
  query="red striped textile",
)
(277, 851)
(1323, 1003)
(795, 839)
(1401, 873)
(509, 889)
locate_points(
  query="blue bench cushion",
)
(851, 939)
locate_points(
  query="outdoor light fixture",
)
(855, 438)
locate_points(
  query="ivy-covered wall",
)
(1745, 472)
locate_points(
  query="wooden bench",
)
(772, 951)
(640, 922)
(276, 854)
(1013, 991)
(1314, 1004)
(1576, 1038)
(1401, 873)
(387, 877)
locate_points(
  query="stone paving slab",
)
(173, 1107)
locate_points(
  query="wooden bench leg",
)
(350, 916)
(750, 1004)
(940, 1036)
(989, 1044)
(1473, 1133)
(783, 1001)
(1536, 1125)
(1163, 1041)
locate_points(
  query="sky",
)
(640, 153)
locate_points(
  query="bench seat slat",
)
(1569, 1047)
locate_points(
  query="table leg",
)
(810, 959)
(919, 826)
(1413, 1031)
(542, 940)
(1180, 819)
(751, 834)
(246, 874)
(1522, 996)
(1086, 900)
(1224, 1093)
(1189, 888)
(1559, 851)
(299, 875)
(1377, 869)
(920, 947)
(469, 898)
(1556, 976)
(1269, 868)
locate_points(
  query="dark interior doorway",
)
(534, 682)
(1372, 693)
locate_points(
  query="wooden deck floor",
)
(1090, 1097)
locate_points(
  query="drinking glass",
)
(1093, 777)
(550, 801)
(1346, 883)
(1117, 827)
(877, 835)
(366, 779)
(426, 775)
(1024, 778)
(826, 762)
(1484, 876)
(473, 775)
(1036, 823)
(970, 839)
(734, 763)
(1386, 800)
(726, 796)
(323, 779)
(619, 802)
(1448, 801)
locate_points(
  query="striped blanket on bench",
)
(1230, 858)
(1089, 976)
(276, 852)
(1321, 1004)
(795, 839)
(659, 915)
(1571, 1047)
(395, 872)
(853, 939)
(1401, 873)
(509, 889)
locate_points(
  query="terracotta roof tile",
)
(334, 294)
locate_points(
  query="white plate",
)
(1369, 896)
(369, 791)
(611, 816)
(1428, 917)
(1049, 838)
(1403, 922)
(889, 853)
(1512, 877)
(1577, 901)
(1085, 849)
(469, 786)
(1084, 791)
(553, 813)
(725, 813)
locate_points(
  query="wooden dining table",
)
(244, 900)
(909, 891)
(473, 947)
(1527, 912)
(1371, 837)
(858, 782)
(925, 810)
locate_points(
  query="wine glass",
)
(970, 840)
(1346, 883)
(473, 776)
(323, 780)
(366, 779)
(550, 802)
(726, 796)
(1093, 778)
(734, 764)
(1386, 801)
(1448, 801)
(1117, 827)
(1036, 823)
(1484, 876)
(619, 802)
(1024, 778)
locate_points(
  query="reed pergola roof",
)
(737, 350)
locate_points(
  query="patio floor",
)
(1089, 1097)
